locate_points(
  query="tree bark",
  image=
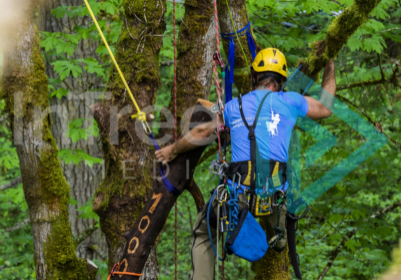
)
(195, 47)
(240, 18)
(337, 35)
(84, 180)
(141, 238)
(25, 89)
(124, 191)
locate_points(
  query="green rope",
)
(277, 229)
(235, 30)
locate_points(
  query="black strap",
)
(252, 137)
(291, 238)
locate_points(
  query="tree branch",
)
(211, 151)
(334, 254)
(18, 226)
(13, 184)
(391, 80)
(85, 234)
(340, 30)
(94, 247)
(378, 126)
(3, 117)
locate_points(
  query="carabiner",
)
(146, 127)
(239, 180)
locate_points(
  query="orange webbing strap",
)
(116, 266)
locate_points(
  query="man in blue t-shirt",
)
(277, 118)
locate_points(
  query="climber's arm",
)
(198, 136)
(323, 107)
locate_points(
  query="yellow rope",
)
(141, 115)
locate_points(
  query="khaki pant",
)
(203, 258)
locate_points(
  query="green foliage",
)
(16, 246)
(60, 47)
(291, 27)
(76, 156)
(77, 132)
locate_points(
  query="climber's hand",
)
(166, 154)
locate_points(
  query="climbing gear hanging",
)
(141, 116)
(229, 73)
(115, 272)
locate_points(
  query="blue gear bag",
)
(248, 239)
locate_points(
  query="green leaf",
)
(93, 66)
(82, 129)
(73, 201)
(76, 156)
(65, 68)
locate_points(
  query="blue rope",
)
(169, 186)
(234, 207)
(231, 56)
(233, 218)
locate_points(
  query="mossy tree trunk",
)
(195, 47)
(83, 179)
(25, 89)
(240, 18)
(337, 35)
(125, 189)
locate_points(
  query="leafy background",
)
(290, 26)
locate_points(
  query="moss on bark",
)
(45, 188)
(240, 17)
(272, 266)
(119, 199)
(195, 52)
(337, 35)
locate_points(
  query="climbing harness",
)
(229, 72)
(115, 272)
(267, 191)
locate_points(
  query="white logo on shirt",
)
(272, 126)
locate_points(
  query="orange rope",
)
(121, 273)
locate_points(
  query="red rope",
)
(175, 134)
(216, 19)
(218, 89)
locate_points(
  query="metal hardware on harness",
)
(239, 180)
(218, 59)
(224, 223)
(218, 168)
(215, 109)
(275, 201)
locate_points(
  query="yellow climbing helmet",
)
(272, 60)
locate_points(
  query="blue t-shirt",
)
(273, 130)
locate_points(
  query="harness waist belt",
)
(244, 169)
